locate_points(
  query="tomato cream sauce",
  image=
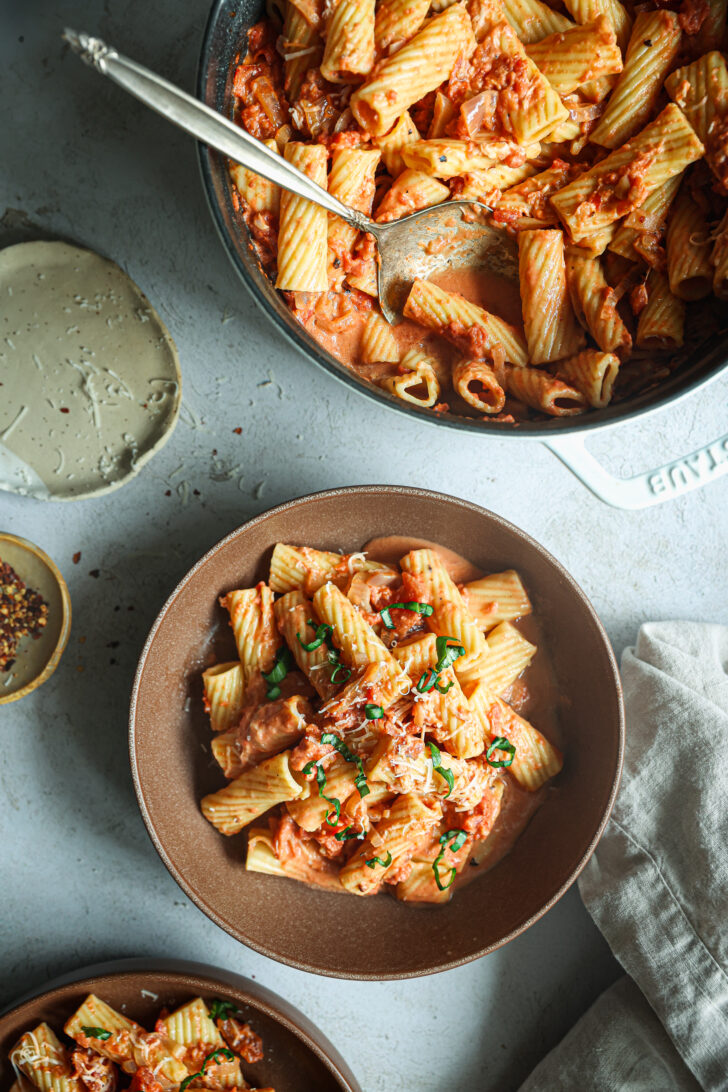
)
(342, 336)
(534, 695)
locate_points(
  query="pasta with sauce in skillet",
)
(596, 139)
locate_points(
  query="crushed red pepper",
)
(23, 613)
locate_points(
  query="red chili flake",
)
(214, 451)
(113, 644)
(64, 409)
(23, 613)
(95, 573)
(168, 492)
(196, 492)
(77, 557)
(238, 431)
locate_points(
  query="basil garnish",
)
(360, 781)
(419, 608)
(374, 861)
(321, 782)
(221, 1010)
(457, 838)
(221, 1051)
(281, 666)
(446, 657)
(447, 775)
(500, 743)
(373, 712)
(96, 1033)
(323, 633)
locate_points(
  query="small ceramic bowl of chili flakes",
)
(35, 617)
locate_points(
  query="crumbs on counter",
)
(76, 557)
(238, 431)
(23, 613)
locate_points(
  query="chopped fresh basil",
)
(360, 781)
(455, 839)
(212, 1057)
(347, 833)
(222, 1010)
(281, 666)
(373, 712)
(385, 863)
(447, 654)
(419, 608)
(323, 632)
(447, 775)
(321, 782)
(96, 1033)
(500, 743)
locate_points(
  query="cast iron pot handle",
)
(654, 486)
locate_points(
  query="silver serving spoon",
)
(405, 246)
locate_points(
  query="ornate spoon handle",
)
(205, 124)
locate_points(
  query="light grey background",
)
(80, 879)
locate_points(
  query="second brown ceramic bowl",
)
(296, 1054)
(341, 935)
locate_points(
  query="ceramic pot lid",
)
(91, 385)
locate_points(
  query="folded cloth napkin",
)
(657, 885)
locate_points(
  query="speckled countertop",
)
(81, 880)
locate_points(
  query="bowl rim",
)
(594, 421)
(363, 491)
(59, 648)
(257, 996)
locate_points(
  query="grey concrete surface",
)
(80, 879)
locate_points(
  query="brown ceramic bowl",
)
(297, 1055)
(334, 934)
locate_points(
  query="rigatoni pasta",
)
(192, 1046)
(569, 130)
(359, 756)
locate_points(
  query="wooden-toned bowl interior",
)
(337, 934)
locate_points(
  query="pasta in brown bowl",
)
(596, 137)
(192, 1049)
(375, 720)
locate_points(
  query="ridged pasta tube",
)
(586, 11)
(349, 49)
(418, 383)
(661, 323)
(576, 56)
(352, 633)
(308, 866)
(254, 628)
(41, 1057)
(543, 392)
(700, 90)
(403, 772)
(499, 597)
(351, 179)
(595, 304)
(302, 49)
(593, 373)
(464, 322)
(303, 229)
(652, 212)
(305, 568)
(224, 686)
(689, 270)
(417, 68)
(551, 329)
(526, 204)
(395, 840)
(536, 760)
(257, 192)
(411, 191)
(509, 653)
(662, 149)
(392, 143)
(653, 46)
(719, 260)
(378, 343)
(292, 612)
(250, 795)
(476, 383)
(397, 21)
(533, 20)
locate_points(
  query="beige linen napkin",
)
(657, 886)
